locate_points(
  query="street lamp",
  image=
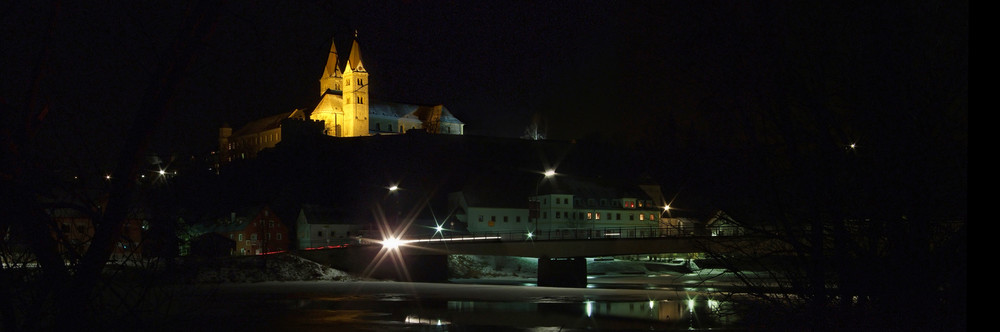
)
(391, 243)
(536, 202)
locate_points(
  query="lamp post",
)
(399, 224)
(394, 219)
(666, 209)
(536, 203)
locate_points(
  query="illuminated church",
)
(345, 109)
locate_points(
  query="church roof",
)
(411, 111)
(397, 110)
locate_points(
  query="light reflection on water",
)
(395, 313)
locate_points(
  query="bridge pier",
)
(562, 271)
(427, 268)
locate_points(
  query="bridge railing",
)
(580, 234)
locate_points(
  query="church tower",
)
(356, 101)
(332, 77)
(330, 109)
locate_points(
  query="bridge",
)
(561, 253)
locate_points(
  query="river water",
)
(669, 302)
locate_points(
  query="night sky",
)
(886, 75)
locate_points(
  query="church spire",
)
(332, 63)
(332, 76)
(354, 60)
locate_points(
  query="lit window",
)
(590, 215)
(642, 217)
(597, 216)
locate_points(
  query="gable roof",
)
(397, 110)
(267, 123)
(324, 215)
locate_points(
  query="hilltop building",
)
(345, 109)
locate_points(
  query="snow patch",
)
(276, 267)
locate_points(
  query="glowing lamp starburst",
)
(391, 243)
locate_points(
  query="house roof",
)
(233, 221)
(592, 188)
(500, 189)
(318, 215)
(267, 123)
